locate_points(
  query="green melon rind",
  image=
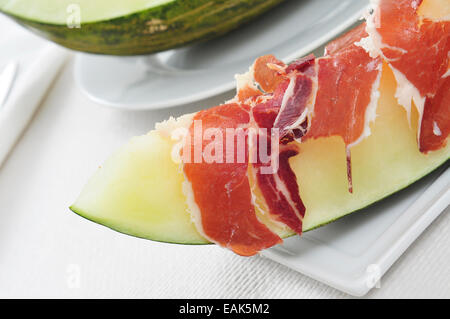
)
(404, 187)
(125, 231)
(160, 28)
(58, 12)
(119, 229)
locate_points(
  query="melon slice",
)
(138, 191)
(132, 27)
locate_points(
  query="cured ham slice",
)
(347, 40)
(287, 106)
(285, 98)
(435, 126)
(281, 192)
(226, 215)
(417, 49)
(285, 111)
(267, 72)
(415, 46)
(348, 80)
(298, 98)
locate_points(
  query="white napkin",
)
(39, 63)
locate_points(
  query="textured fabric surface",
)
(47, 251)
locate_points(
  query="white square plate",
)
(353, 253)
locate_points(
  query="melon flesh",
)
(138, 191)
(57, 12)
(132, 27)
(437, 10)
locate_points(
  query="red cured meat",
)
(247, 93)
(304, 65)
(299, 74)
(285, 106)
(222, 191)
(347, 40)
(345, 82)
(346, 78)
(416, 47)
(266, 76)
(294, 104)
(266, 112)
(435, 125)
(419, 49)
(280, 191)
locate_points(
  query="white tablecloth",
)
(48, 251)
